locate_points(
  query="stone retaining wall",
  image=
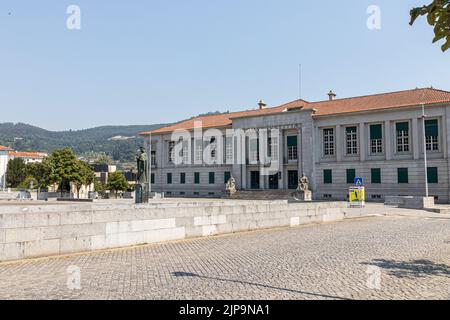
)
(28, 231)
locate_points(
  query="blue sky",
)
(146, 61)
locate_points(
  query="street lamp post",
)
(425, 150)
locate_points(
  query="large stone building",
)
(378, 137)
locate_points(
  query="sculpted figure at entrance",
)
(231, 186)
(303, 193)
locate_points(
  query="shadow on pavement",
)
(411, 269)
(193, 275)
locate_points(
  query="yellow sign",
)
(357, 196)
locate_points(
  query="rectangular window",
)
(171, 151)
(273, 148)
(432, 135)
(198, 151)
(229, 151)
(152, 178)
(226, 176)
(351, 134)
(254, 150)
(376, 138)
(402, 129)
(403, 176)
(212, 178)
(186, 152)
(328, 142)
(153, 158)
(169, 178)
(375, 175)
(327, 176)
(351, 175)
(213, 145)
(292, 147)
(182, 178)
(197, 177)
(432, 173)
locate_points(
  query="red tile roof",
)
(2, 148)
(391, 100)
(20, 154)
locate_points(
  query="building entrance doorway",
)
(254, 179)
(292, 179)
(273, 182)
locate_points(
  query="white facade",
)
(3, 167)
(383, 146)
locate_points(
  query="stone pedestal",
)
(303, 195)
(142, 193)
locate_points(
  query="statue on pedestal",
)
(142, 185)
(230, 187)
(303, 193)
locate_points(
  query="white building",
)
(378, 137)
(3, 165)
(27, 157)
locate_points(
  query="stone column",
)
(388, 140)
(363, 140)
(237, 165)
(308, 149)
(281, 158)
(415, 138)
(262, 157)
(339, 143)
(244, 163)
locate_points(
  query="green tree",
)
(438, 16)
(117, 182)
(16, 172)
(41, 173)
(28, 183)
(99, 187)
(65, 168)
(84, 176)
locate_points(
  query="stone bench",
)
(410, 202)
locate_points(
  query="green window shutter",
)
(375, 176)
(350, 129)
(169, 178)
(182, 178)
(226, 176)
(351, 175)
(197, 177)
(402, 175)
(431, 128)
(211, 178)
(376, 132)
(327, 176)
(432, 175)
(152, 178)
(402, 126)
(292, 141)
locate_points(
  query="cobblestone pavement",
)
(331, 261)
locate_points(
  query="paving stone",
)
(389, 257)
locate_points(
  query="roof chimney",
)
(262, 104)
(332, 95)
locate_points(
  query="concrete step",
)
(262, 195)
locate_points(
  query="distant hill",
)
(120, 142)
